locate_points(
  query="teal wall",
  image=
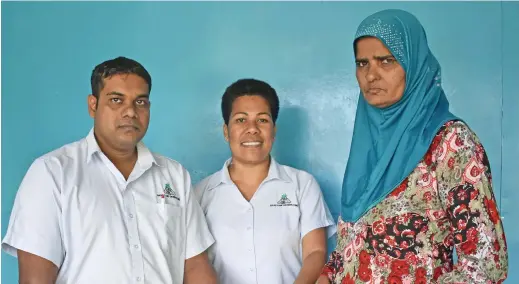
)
(194, 50)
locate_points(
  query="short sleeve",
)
(199, 238)
(314, 211)
(35, 222)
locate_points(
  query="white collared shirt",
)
(260, 241)
(75, 209)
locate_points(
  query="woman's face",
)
(251, 130)
(381, 78)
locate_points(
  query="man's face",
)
(121, 112)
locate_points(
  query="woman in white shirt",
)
(270, 221)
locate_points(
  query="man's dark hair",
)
(249, 87)
(119, 65)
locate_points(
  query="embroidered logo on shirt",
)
(169, 193)
(284, 201)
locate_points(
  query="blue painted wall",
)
(510, 140)
(194, 50)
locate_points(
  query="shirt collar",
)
(276, 172)
(145, 158)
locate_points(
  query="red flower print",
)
(420, 272)
(394, 279)
(462, 224)
(428, 158)
(472, 234)
(450, 163)
(390, 240)
(469, 247)
(437, 273)
(474, 194)
(374, 243)
(399, 267)
(450, 197)
(420, 281)
(401, 188)
(417, 223)
(364, 257)
(328, 270)
(359, 242)
(480, 150)
(427, 196)
(475, 171)
(379, 227)
(364, 273)
(462, 195)
(434, 146)
(490, 204)
(348, 252)
(497, 247)
(382, 261)
(411, 258)
(459, 210)
(347, 279)
(459, 142)
(425, 177)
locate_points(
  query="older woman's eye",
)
(361, 63)
(388, 61)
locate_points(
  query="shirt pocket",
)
(164, 225)
(173, 226)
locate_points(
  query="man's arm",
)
(34, 231)
(35, 270)
(314, 256)
(198, 270)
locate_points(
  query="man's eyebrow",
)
(114, 93)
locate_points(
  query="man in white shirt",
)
(105, 209)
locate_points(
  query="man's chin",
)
(127, 141)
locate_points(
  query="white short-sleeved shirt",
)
(75, 209)
(261, 241)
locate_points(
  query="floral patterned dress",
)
(409, 237)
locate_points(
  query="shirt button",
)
(248, 228)
(251, 270)
(136, 246)
(131, 216)
(138, 279)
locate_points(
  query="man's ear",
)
(92, 105)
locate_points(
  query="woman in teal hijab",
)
(418, 181)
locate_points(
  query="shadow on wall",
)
(291, 148)
(291, 144)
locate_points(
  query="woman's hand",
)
(323, 280)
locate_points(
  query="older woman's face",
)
(380, 76)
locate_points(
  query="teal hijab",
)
(389, 143)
